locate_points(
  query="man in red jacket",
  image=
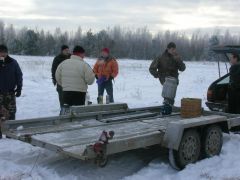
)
(106, 69)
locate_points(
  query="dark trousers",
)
(60, 95)
(108, 86)
(73, 98)
(7, 107)
(234, 100)
(8, 102)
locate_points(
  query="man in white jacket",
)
(74, 76)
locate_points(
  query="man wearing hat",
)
(74, 75)
(106, 69)
(10, 84)
(166, 67)
(65, 54)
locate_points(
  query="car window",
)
(225, 80)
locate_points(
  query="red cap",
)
(106, 50)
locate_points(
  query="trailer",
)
(97, 131)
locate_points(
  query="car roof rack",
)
(226, 49)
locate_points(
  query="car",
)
(217, 94)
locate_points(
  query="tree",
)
(2, 35)
(137, 43)
(30, 46)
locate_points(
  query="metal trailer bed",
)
(77, 134)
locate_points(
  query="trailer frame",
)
(76, 133)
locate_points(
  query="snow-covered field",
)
(134, 86)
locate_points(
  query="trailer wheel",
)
(188, 151)
(212, 141)
(101, 161)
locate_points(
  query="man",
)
(234, 86)
(10, 85)
(166, 67)
(65, 54)
(106, 69)
(74, 75)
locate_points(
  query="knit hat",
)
(106, 50)
(3, 48)
(78, 49)
(171, 45)
(64, 47)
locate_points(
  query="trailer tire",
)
(188, 152)
(101, 161)
(212, 141)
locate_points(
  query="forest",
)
(137, 43)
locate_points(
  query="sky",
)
(157, 15)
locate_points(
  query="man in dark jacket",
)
(10, 84)
(167, 65)
(65, 54)
(234, 86)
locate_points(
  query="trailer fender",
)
(175, 129)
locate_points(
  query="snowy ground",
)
(137, 88)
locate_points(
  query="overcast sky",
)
(95, 14)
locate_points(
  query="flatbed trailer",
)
(94, 132)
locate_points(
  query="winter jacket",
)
(10, 76)
(74, 74)
(166, 65)
(56, 61)
(106, 68)
(235, 76)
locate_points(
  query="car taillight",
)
(210, 95)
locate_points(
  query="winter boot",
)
(166, 109)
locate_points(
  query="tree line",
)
(137, 43)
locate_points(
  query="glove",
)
(96, 77)
(18, 92)
(111, 78)
(101, 80)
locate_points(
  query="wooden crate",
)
(191, 107)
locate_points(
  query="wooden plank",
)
(97, 115)
(96, 108)
(13, 124)
(163, 121)
(146, 139)
(55, 128)
(86, 135)
(124, 117)
(85, 112)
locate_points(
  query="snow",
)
(134, 86)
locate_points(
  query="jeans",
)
(108, 86)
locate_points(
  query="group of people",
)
(72, 75)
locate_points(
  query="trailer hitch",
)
(100, 148)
